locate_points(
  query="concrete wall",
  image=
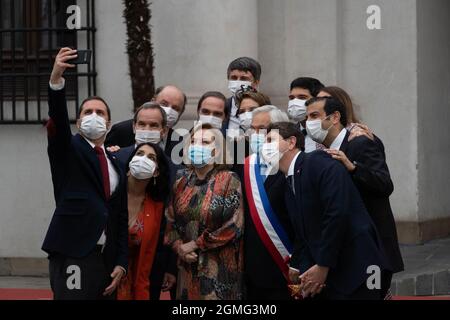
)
(379, 70)
(434, 116)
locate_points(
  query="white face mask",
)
(146, 136)
(245, 120)
(172, 116)
(315, 130)
(142, 168)
(297, 110)
(256, 142)
(234, 86)
(93, 126)
(214, 121)
(271, 154)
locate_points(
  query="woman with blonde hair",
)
(205, 222)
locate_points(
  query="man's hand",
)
(341, 156)
(113, 149)
(168, 282)
(294, 275)
(117, 275)
(358, 130)
(61, 64)
(313, 281)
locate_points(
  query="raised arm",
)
(58, 127)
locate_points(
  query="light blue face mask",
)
(256, 142)
(200, 156)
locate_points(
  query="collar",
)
(336, 145)
(93, 145)
(292, 166)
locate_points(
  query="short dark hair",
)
(246, 64)
(313, 85)
(160, 89)
(93, 98)
(158, 188)
(154, 106)
(331, 106)
(287, 130)
(214, 94)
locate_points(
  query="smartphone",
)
(84, 57)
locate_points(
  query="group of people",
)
(248, 203)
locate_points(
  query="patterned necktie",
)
(105, 172)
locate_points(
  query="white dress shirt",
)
(113, 184)
(291, 170)
(336, 145)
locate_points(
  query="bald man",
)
(173, 101)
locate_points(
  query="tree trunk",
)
(137, 16)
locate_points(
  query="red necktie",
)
(105, 173)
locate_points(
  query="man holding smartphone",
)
(87, 240)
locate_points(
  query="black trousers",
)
(79, 279)
(159, 269)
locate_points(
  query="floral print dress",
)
(209, 212)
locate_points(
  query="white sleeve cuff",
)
(58, 86)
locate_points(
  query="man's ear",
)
(134, 128)
(292, 143)
(108, 125)
(256, 84)
(78, 123)
(337, 117)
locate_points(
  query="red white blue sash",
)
(267, 224)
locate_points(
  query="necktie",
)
(105, 172)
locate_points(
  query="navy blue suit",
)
(82, 211)
(332, 225)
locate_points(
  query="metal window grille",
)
(31, 33)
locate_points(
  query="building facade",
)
(398, 74)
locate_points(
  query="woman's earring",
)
(154, 181)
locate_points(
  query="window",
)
(31, 33)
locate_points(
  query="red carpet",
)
(32, 294)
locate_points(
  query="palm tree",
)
(137, 16)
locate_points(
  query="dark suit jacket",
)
(260, 268)
(82, 211)
(229, 107)
(374, 183)
(121, 134)
(332, 225)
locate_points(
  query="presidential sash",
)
(267, 224)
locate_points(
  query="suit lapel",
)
(344, 144)
(271, 179)
(91, 163)
(119, 172)
(298, 174)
